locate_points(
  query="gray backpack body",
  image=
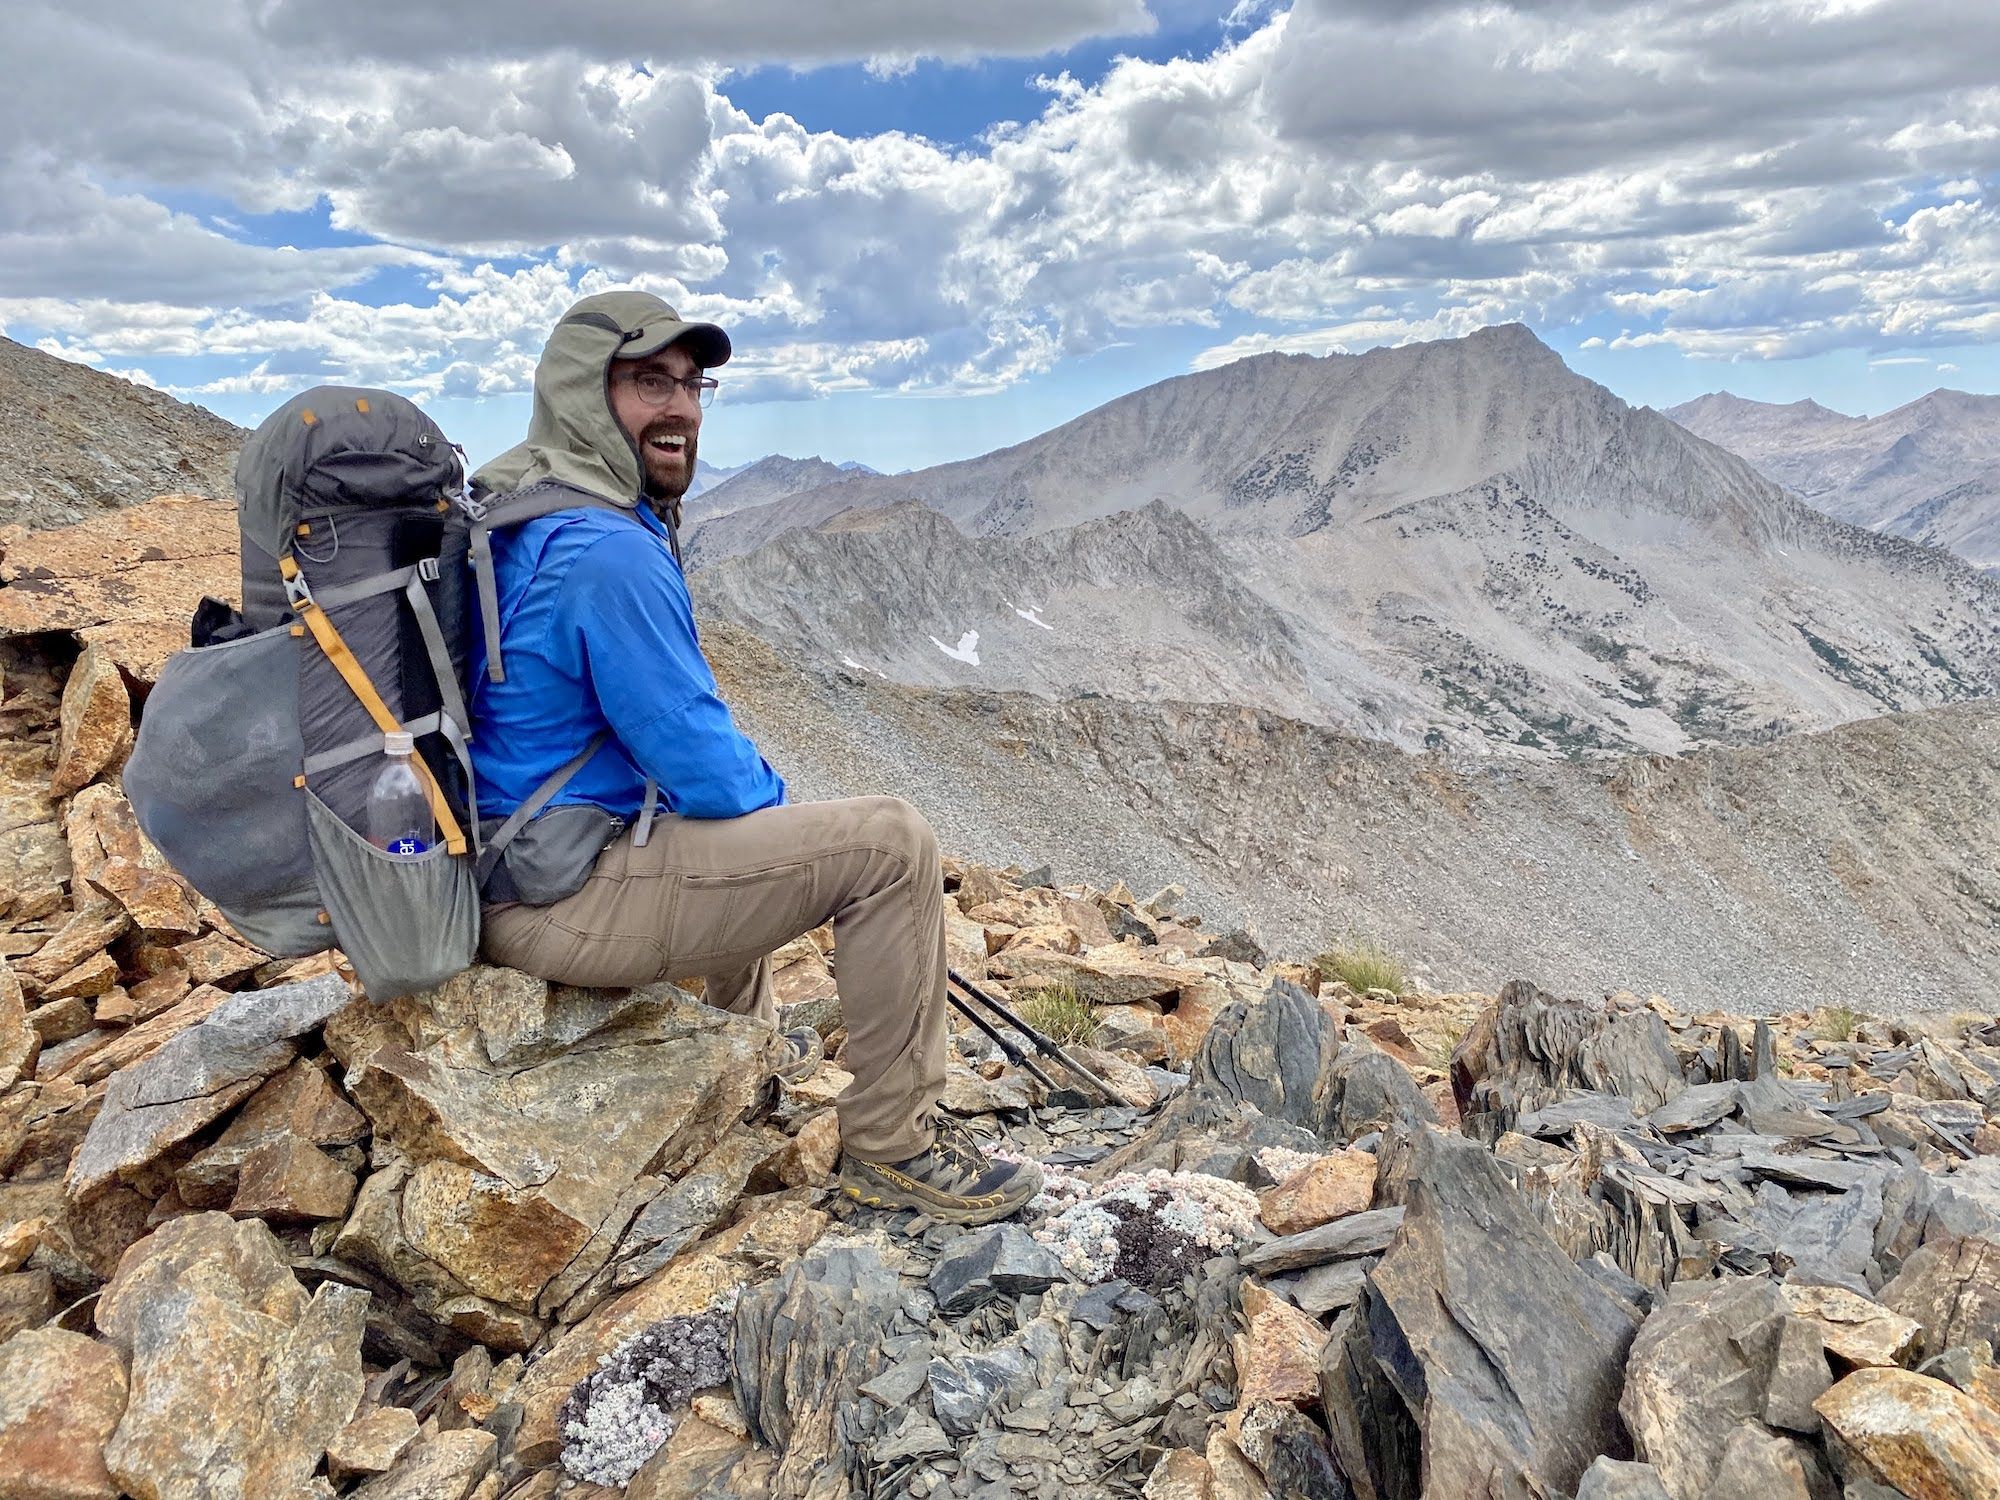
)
(258, 746)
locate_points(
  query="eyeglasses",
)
(657, 387)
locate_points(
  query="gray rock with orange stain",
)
(61, 1395)
(447, 1466)
(96, 729)
(20, 1042)
(1715, 1356)
(538, 1123)
(239, 1379)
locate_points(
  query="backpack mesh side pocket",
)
(212, 780)
(405, 922)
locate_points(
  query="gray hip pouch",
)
(552, 856)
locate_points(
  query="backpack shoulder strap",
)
(487, 515)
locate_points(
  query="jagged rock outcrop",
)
(1505, 1358)
(239, 1379)
(527, 1169)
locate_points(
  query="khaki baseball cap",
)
(645, 325)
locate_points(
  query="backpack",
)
(366, 565)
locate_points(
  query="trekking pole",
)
(1007, 1045)
(1042, 1043)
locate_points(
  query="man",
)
(597, 638)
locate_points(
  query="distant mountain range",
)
(1929, 471)
(772, 477)
(1458, 544)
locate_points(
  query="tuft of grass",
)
(1362, 964)
(1056, 1010)
(1836, 1023)
(1444, 1043)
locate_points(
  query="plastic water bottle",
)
(399, 815)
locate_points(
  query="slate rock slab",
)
(1696, 1108)
(199, 1074)
(1359, 1234)
(805, 1344)
(1000, 1260)
(1829, 1235)
(1508, 1357)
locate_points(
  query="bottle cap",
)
(398, 742)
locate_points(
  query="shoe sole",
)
(946, 1208)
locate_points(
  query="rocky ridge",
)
(75, 441)
(262, 1237)
(771, 478)
(1854, 867)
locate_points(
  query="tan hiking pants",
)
(714, 897)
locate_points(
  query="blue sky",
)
(934, 231)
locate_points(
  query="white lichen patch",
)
(1090, 1225)
(620, 1414)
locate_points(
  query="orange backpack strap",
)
(344, 662)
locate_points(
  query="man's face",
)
(665, 433)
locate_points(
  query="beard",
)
(668, 475)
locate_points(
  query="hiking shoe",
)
(808, 1052)
(953, 1181)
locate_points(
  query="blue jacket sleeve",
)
(628, 605)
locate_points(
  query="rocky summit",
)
(1317, 1235)
(75, 442)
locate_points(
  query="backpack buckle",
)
(297, 594)
(427, 569)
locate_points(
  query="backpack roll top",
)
(256, 757)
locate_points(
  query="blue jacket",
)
(597, 632)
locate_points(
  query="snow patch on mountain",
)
(967, 649)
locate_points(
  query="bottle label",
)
(408, 844)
